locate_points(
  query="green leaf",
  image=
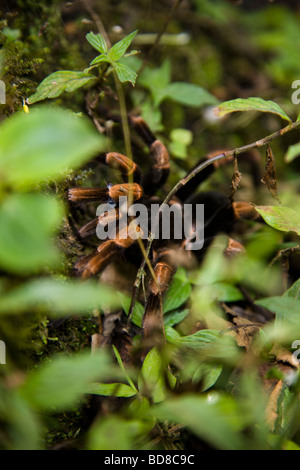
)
(227, 292)
(119, 49)
(173, 318)
(97, 41)
(177, 294)
(43, 144)
(250, 104)
(293, 291)
(58, 82)
(11, 34)
(281, 218)
(115, 433)
(208, 374)
(214, 419)
(152, 377)
(60, 383)
(290, 445)
(27, 222)
(292, 153)
(180, 140)
(22, 422)
(99, 59)
(138, 311)
(58, 297)
(285, 308)
(111, 390)
(156, 80)
(152, 115)
(124, 73)
(199, 340)
(188, 94)
(185, 136)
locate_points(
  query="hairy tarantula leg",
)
(245, 210)
(234, 248)
(89, 229)
(106, 252)
(159, 155)
(105, 219)
(101, 195)
(92, 264)
(125, 165)
(153, 323)
(187, 190)
(142, 128)
(251, 158)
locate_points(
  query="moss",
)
(40, 47)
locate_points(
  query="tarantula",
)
(220, 215)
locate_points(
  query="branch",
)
(230, 153)
(235, 152)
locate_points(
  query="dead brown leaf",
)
(270, 174)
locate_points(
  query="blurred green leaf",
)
(226, 292)
(111, 390)
(293, 291)
(19, 421)
(280, 217)
(213, 418)
(58, 82)
(173, 318)
(43, 144)
(200, 339)
(250, 104)
(290, 445)
(119, 49)
(188, 94)
(115, 433)
(138, 311)
(285, 308)
(27, 221)
(208, 374)
(177, 294)
(221, 12)
(152, 115)
(263, 243)
(11, 34)
(58, 297)
(292, 153)
(97, 41)
(242, 269)
(152, 377)
(60, 383)
(180, 140)
(156, 80)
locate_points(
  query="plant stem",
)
(124, 117)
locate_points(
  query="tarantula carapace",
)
(219, 215)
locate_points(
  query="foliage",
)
(59, 82)
(225, 377)
(250, 104)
